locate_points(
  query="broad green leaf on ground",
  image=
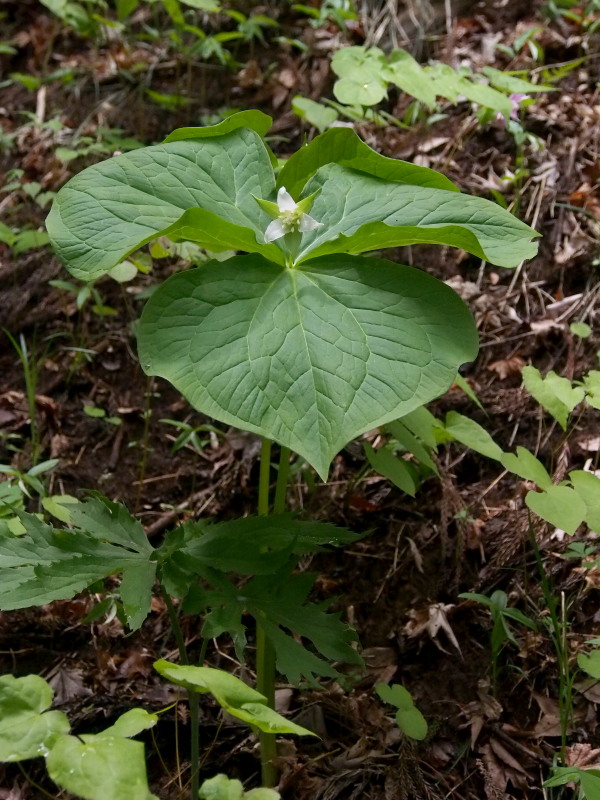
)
(232, 694)
(365, 90)
(393, 467)
(361, 78)
(587, 487)
(423, 424)
(343, 146)
(112, 208)
(253, 119)
(97, 767)
(310, 357)
(223, 788)
(590, 663)
(131, 723)
(559, 505)
(452, 84)
(359, 212)
(553, 392)
(472, 434)
(514, 84)
(527, 466)
(27, 728)
(316, 114)
(257, 545)
(47, 564)
(409, 75)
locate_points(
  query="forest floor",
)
(467, 530)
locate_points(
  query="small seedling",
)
(408, 717)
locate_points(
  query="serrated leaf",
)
(111, 209)
(472, 434)
(257, 545)
(359, 212)
(47, 564)
(96, 767)
(558, 505)
(27, 728)
(587, 487)
(526, 465)
(232, 694)
(310, 357)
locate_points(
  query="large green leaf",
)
(359, 212)
(27, 728)
(112, 208)
(98, 767)
(253, 119)
(311, 357)
(47, 564)
(343, 146)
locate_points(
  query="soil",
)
(399, 586)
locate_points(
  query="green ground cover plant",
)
(305, 341)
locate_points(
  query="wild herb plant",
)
(304, 341)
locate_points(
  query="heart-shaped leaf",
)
(310, 357)
(98, 767)
(27, 728)
(558, 505)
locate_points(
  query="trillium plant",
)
(302, 339)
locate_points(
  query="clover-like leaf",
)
(310, 357)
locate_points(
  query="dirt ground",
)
(399, 586)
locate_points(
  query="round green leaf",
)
(26, 732)
(590, 663)
(99, 767)
(311, 357)
(366, 90)
(412, 723)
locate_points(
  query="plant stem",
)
(282, 481)
(265, 655)
(558, 635)
(192, 696)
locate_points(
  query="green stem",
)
(265, 652)
(192, 696)
(282, 481)
(265, 655)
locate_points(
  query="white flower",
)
(291, 217)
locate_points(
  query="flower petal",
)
(285, 201)
(275, 230)
(307, 223)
